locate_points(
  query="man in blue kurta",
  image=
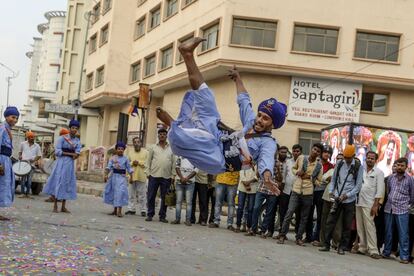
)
(7, 179)
(62, 181)
(195, 134)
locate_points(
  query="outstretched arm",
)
(247, 115)
(235, 76)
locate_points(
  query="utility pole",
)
(8, 79)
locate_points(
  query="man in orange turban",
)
(29, 152)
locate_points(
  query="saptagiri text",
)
(323, 96)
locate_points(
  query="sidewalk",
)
(90, 188)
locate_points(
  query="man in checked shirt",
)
(400, 187)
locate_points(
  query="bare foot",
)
(4, 218)
(120, 215)
(188, 47)
(112, 214)
(164, 117)
(64, 210)
(55, 210)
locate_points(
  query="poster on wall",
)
(324, 101)
(97, 159)
(388, 144)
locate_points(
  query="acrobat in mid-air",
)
(198, 135)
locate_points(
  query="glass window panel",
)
(254, 37)
(239, 22)
(332, 33)
(379, 103)
(315, 30)
(237, 35)
(392, 52)
(330, 45)
(376, 50)
(299, 42)
(314, 44)
(256, 24)
(270, 25)
(269, 39)
(361, 48)
(299, 29)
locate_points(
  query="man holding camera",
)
(345, 185)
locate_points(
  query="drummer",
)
(30, 152)
(62, 182)
(7, 179)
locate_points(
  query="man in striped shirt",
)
(400, 187)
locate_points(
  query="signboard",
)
(59, 108)
(324, 101)
(389, 144)
(97, 159)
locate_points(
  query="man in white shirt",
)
(372, 191)
(186, 173)
(30, 152)
(288, 179)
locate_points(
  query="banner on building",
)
(324, 101)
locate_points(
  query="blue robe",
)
(7, 181)
(116, 189)
(195, 135)
(62, 181)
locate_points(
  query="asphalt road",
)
(88, 241)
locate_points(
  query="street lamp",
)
(78, 104)
(8, 79)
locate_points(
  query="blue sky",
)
(18, 26)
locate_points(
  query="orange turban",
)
(30, 134)
(64, 131)
(349, 151)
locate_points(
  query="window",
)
(89, 82)
(377, 46)
(307, 139)
(171, 8)
(92, 43)
(150, 65)
(100, 74)
(140, 27)
(374, 102)
(187, 2)
(211, 35)
(155, 15)
(315, 40)
(135, 72)
(167, 57)
(107, 4)
(254, 33)
(104, 34)
(122, 133)
(180, 41)
(96, 11)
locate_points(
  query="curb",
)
(89, 191)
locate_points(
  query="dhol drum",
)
(22, 168)
(47, 165)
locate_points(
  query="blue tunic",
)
(7, 181)
(62, 181)
(116, 190)
(195, 135)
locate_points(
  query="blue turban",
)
(120, 144)
(11, 110)
(74, 122)
(276, 111)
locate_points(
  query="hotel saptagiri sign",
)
(324, 101)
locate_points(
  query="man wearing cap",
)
(7, 179)
(195, 134)
(345, 185)
(30, 152)
(62, 181)
(159, 170)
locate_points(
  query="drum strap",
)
(69, 141)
